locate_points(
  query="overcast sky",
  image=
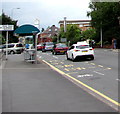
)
(49, 12)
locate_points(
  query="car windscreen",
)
(49, 43)
(82, 46)
(61, 46)
(10, 45)
(19, 45)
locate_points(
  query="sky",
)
(48, 12)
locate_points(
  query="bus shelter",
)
(30, 55)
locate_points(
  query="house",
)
(48, 34)
(83, 24)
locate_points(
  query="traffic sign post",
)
(6, 28)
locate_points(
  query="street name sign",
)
(6, 27)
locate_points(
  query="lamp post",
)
(101, 36)
(13, 10)
(64, 24)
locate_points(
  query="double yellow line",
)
(83, 84)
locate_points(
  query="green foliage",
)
(73, 33)
(54, 39)
(89, 34)
(4, 19)
(2, 39)
(105, 15)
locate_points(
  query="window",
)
(82, 46)
(19, 45)
(10, 45)
(72, 47)
(49, 30)
(55, 29)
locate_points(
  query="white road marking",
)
(85, 75)
(92, 63)
(100, 65)
(109, 68)
(55, 57)
(98, 73)
(118, 79)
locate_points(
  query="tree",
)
(73, 33)
(4, 19)
(105, 15)
(89, 34)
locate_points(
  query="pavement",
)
(28, 87)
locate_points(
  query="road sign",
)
(6, 27)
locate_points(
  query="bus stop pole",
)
(36, 48)
(6, 45)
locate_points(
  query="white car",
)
(13, 48)
(80, 50)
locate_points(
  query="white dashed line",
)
(118, 79)
(55, 57)
(98, 73)
(100, 65)
(85, 75)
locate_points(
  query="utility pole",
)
(101, 36)
(64, 24)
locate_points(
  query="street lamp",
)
(64, 24)
(13, 10)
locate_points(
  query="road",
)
(100, 74)
(37, 88)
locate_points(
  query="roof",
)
(26, 30)
(74, 21)
(81, 43)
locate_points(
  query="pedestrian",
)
(114, 43)
(27, 46)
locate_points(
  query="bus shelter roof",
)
(26, 29)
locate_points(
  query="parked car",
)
(13, 48)
(40, 46)
(48, 46)
(81, 49)
(59, 49)
(1, 48)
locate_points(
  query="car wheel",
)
(67, 56)
(12, 52)
(53, 52)
(92, 58)
(43, 50)
(73, 59)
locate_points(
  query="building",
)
(48, 34)
(83, 24)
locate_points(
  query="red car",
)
(59, 49)
(40, 46)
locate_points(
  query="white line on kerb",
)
(55, 57)
(98, 73)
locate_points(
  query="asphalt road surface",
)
(28, 87)
(100, 74)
